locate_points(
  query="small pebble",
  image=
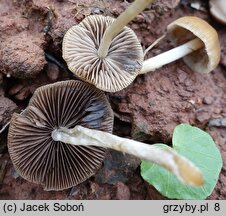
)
(15, 174)
(139, 18)
(217, 110)
(15, 89)
(188, 82)
(219, 122)
(123, 192)
(164, 88)
(53, 71)
(208, 100)
(202, 117)
(23, 94)
(181, 75)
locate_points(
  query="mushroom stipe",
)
(59, 140)
(103, 51)
(200, 47)
(124, 60)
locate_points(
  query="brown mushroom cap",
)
(187, 28)
(218, 10)
(40, 159)
(118, 69)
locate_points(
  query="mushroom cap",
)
(40, 159)
(218, 10)
(187, 28)
(118, 69)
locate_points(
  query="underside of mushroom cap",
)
(187, 28)
(122, 63)
(40, 159)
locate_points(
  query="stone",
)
(117, 167)
(208, 100)
(122, 192)
(52, 71)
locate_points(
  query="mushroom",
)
(102, 51)
(40, 159)
(60, 140)
(218, 10)
(200, 51)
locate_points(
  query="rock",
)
(7, 107)
(15, 89)
(52, 71)
(164, 88)
(202, 117)
(100, 192)
(188, 82)
(117, 167)
(78, 192)
(140, 131)
(208, 100)
(219, 122)
(22, 95)
(22, 56)
(182, 76)
(94, 187)
(156, 106)
(122, 192)
(20, 92)
(162, 6)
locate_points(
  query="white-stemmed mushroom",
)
(103, 51)
(181, 167)
(198, 45)
(66, 128)
(40, 159)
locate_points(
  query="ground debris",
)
(7, 107)
(2, 171)
(117, 167)
(123, 191)
(218, 122)
(199, 5)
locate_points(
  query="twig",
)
(4, 127)
(154, 43)
(7, 124)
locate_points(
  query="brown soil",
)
(148, 110)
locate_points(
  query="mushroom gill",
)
(54, 164)
(112, 73)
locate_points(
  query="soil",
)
(147, 110)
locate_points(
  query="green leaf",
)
(199, 147)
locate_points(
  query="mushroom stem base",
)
(132, 11)
(182, 168)
(174, 54)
